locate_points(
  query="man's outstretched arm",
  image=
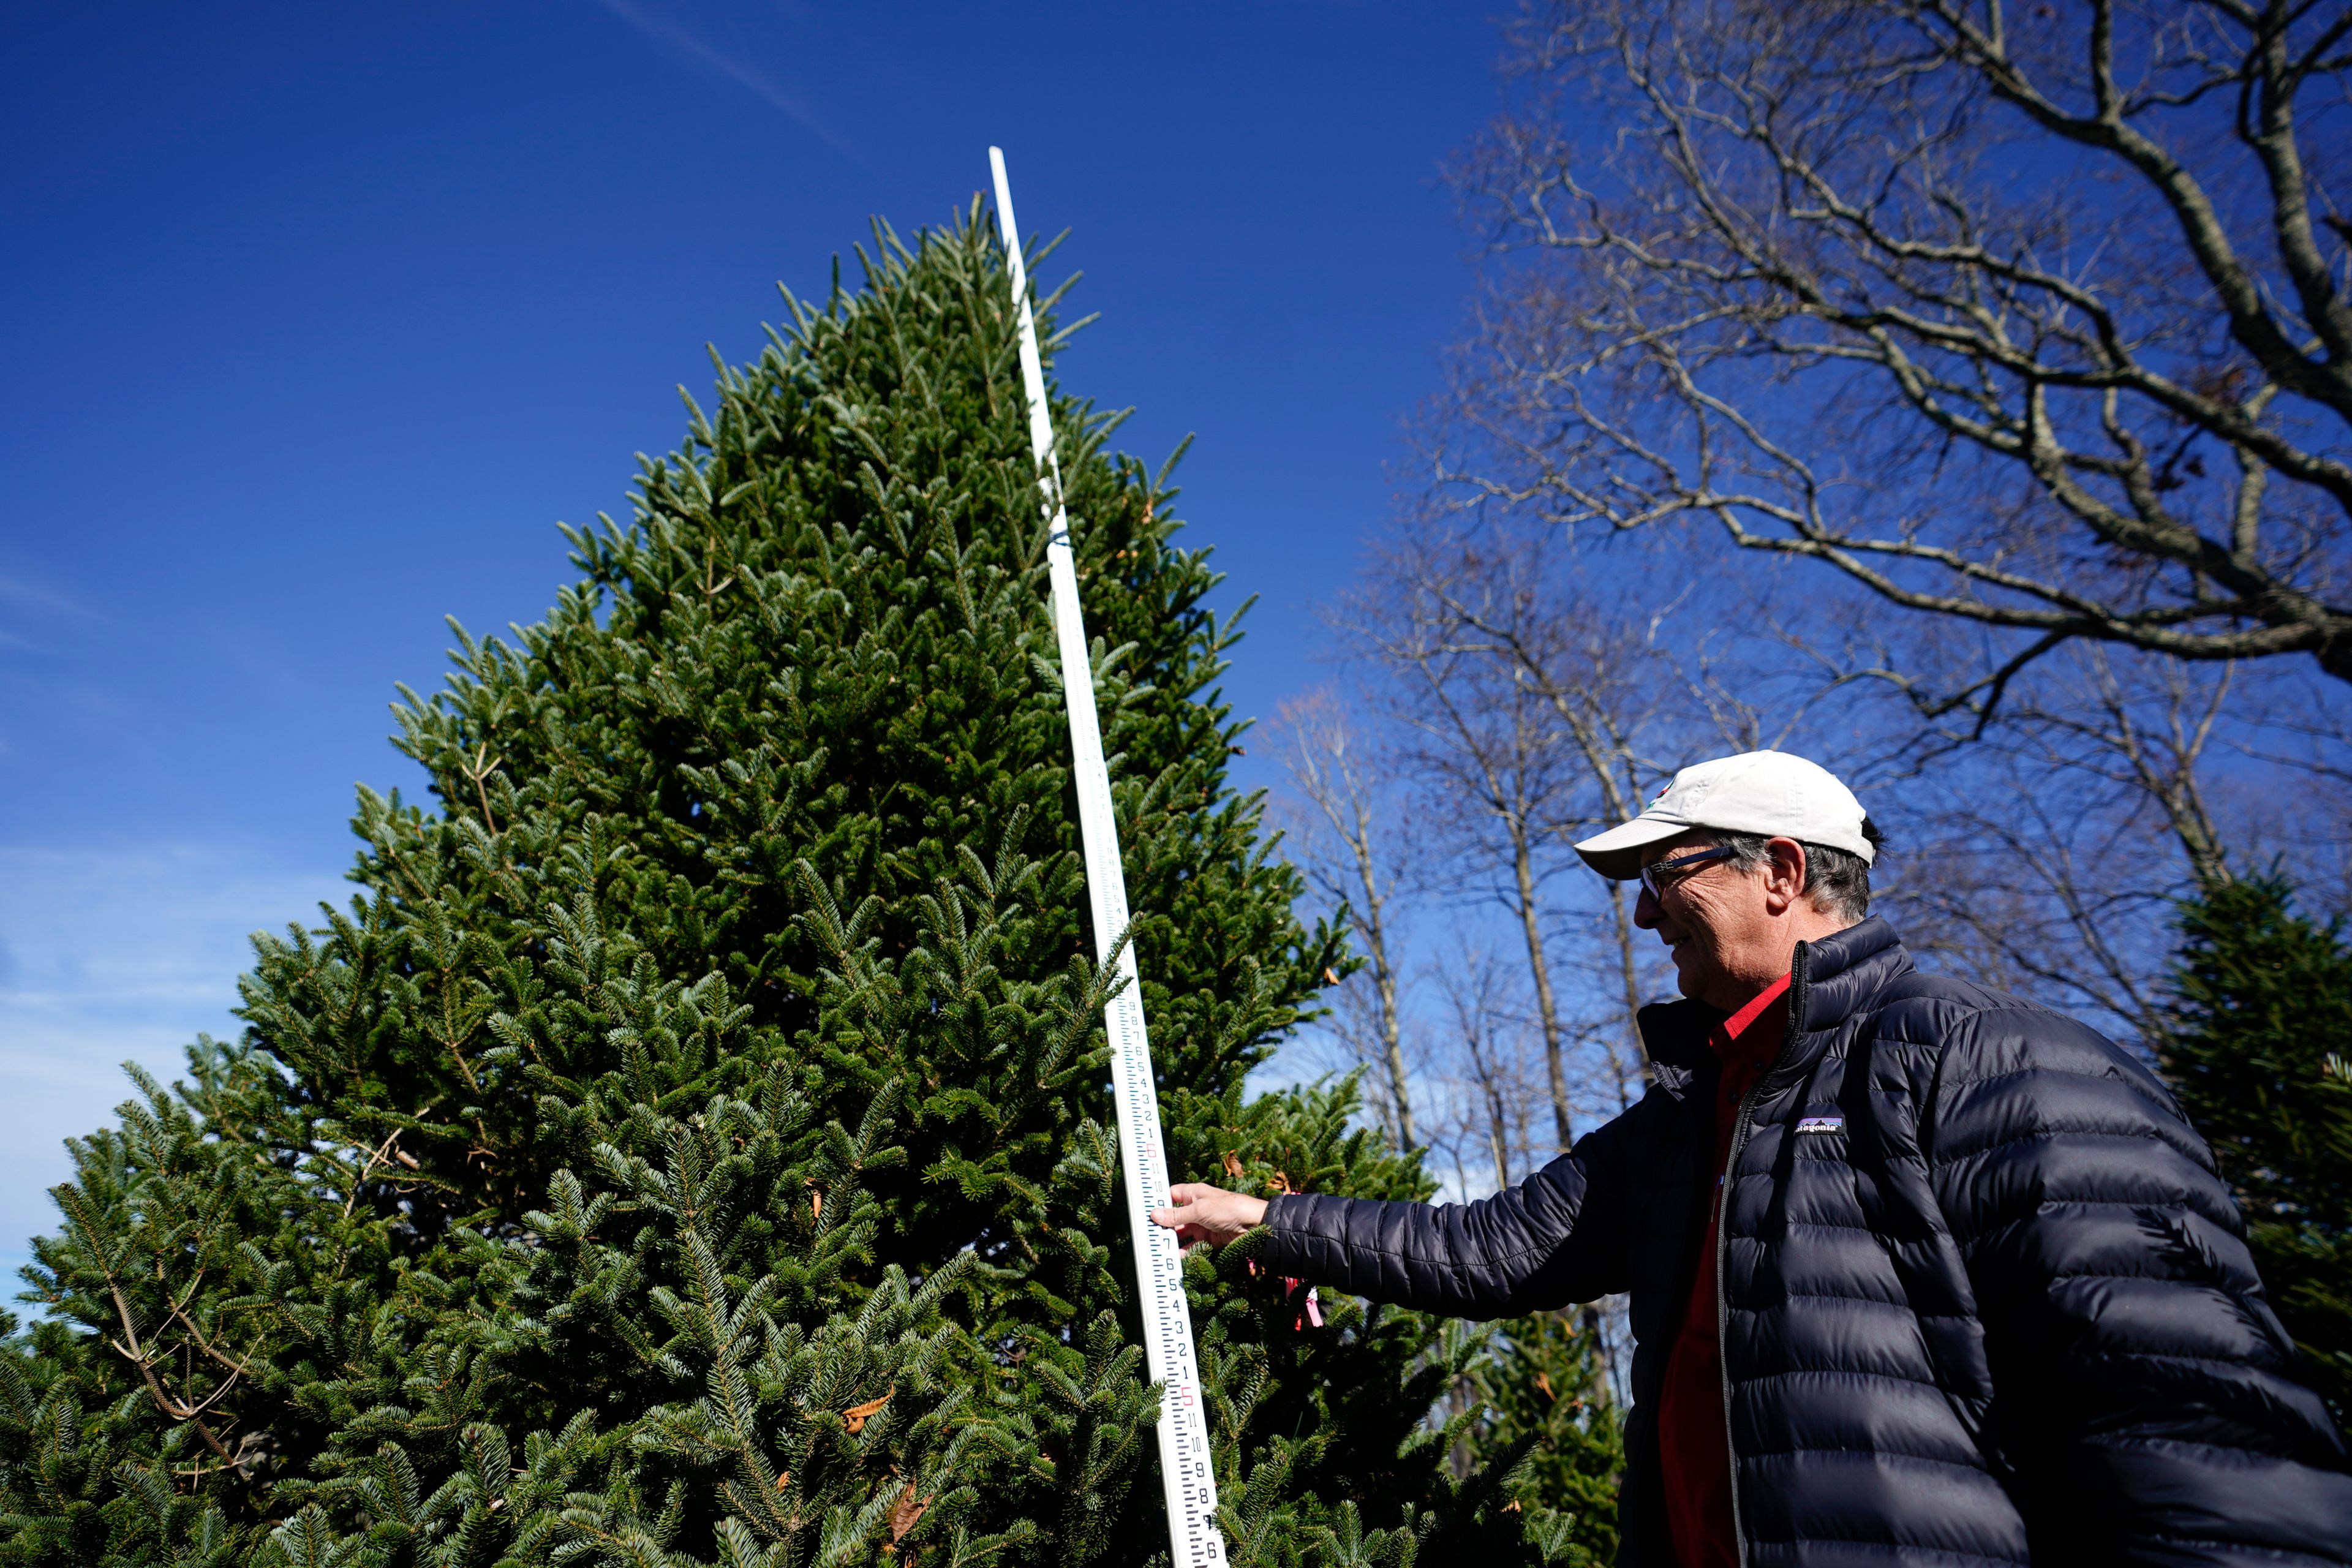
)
(1558, 1237)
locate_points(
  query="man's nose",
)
(1647, 914)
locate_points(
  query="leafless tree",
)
(2050, 856)
(1539, 704)
(1635, 683)
(1476, 994)
(1352, 850)
(1599, 682)
(2034, 318)
(1489, 753)
(2286, 799)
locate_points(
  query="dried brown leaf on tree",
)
(857, 1416)
(907, 1513)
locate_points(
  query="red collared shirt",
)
(1693, 1426)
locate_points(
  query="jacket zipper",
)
(1723, 1236)
(1722, 1309)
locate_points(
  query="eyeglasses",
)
(1655, 877)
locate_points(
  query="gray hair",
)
(1836, 880)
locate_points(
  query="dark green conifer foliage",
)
(689, 1144)
(1544, 1389)
(2257, 1056)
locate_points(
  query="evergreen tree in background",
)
(1545, 1388)
(692, 1142)
(2258, 1058)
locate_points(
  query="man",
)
(1920, 1273)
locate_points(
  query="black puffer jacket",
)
(1998, 1310)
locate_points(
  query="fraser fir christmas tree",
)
(2258, 1054)
(690, 1143)
(1546, 1395)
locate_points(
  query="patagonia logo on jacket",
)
(1819, 1124)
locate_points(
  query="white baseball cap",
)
(1774, 794)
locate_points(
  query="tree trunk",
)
(1547, 1008)
(1376, 944)
(1630, 970)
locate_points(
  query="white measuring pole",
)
(1184, 1465)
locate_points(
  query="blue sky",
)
(317, 319)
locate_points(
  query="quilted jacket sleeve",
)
(1556, 1237)
(2143, 1385)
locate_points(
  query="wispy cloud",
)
(666, 31)
(115, 955)
(34, 595)
(23, 600)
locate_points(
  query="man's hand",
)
(1198, 1212)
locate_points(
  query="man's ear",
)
(1784, 875)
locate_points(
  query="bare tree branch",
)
(2031, 322)
(1533, 718)
(1352, 860)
